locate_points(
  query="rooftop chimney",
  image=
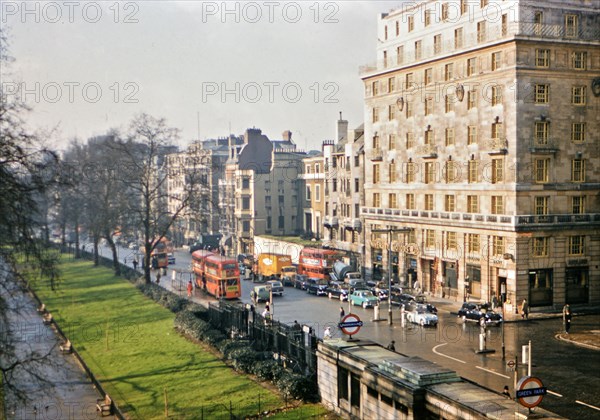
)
(287, 135)
(342, 130)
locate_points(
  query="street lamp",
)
(389, 232)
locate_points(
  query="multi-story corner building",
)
(344, 193)
(260, 190)
(313, 178)
(194, 176)
(481, 134)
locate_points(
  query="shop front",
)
(540, 287)
(577, 284)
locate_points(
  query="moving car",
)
(420, 314)
(338, 290)
(476, 311)
(260, 294)
(276, 287)
(402, 299)
(316, 286)
(364, 298)
(300, 281)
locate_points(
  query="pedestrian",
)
(267, 307)
(190, 287)
(567, 315)
(158, 278)
(125, 260)
(342, 312)
(506, 392)
(525, 309)
(135, 263)
(327, 333)
(392, 346)
(494, 302)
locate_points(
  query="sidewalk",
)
(589, 339)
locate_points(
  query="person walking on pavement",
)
(327, 333)
(190, 287)
(525, 309)
(158, 278)
(342, 313)
(567, 315)
(135, 264)
(506, 392)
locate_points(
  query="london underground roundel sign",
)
(350, 324)
(530, 391)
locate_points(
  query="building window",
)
(571, 26)
(437, 44)
(504, 24)
(450, 240)
(429, 137)
(375, 87)
(376, 200)
(463, 7)
(471, 66)
(410, 202)
(444, 12)
(458, 38)
(409, 109)
(391, 142)
(496, 130)
(418, 50)
(496, 95)
(541, 132)
(385, 32)
(356, 185)
(472, 204)
(542, 93)
(473, 242)
(579, 60)
(409, 80)
(246, 226)
(497, 204)
(376, 144)
(393, 204)
(410, 140)
(245, 203)
(496, 60)
(540, 247)
(428, 76)
(391, 112)
(317, 192)
(449, 136)
(540, 170)
(391, 84)
(483, 3)
(397, 27)
(472, 134)
(471, 99)
(541, 206)
(578, 132)
(308, 193)
(473, 171)
(542, 57)
(428, 106)
(429, 202)
(411, 169)
(429, 238)
(578, 95)
(497, 170)
(411, 23)
(576, 245)
(578, 204)
(427, 18)
(392, 173)
(449, 202)
(376, 173)
(451, 171)
(481, 31)
(449, 103)
(375, 114)
(578, 170)
(498, 245)
(429, 172)
(400, 54)
(448, 71)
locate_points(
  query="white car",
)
(419, 314)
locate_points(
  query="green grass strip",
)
(128, 341)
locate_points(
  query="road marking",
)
(554, 393)
(445, 355)
(491, 371)
(589, 405)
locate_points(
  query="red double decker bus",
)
(198, 260)
(222, 277)
(317, 263)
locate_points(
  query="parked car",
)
(316, 286)
(420, 314)
(357, 285)
(300, 282)
(364, 298)
(382, 294)
(276, 287)
(476, 311)
(338, 290)
(260, 294)
(402, 299)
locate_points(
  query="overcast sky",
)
(87, 67)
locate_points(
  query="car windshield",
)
(367, 294)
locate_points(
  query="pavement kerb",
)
(560, 336)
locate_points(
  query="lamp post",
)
(389, 232)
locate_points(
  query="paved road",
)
(571, 374)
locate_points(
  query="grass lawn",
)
(128, 341)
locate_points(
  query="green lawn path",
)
(128, 341)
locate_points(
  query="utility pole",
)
(389, 232)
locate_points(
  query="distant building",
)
(313, 175)
(481, 134)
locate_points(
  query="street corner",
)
(588, 339)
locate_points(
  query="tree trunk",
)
(115, 256)
(96, 259)
(77, 252)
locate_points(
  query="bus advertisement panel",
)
(317, 263)
(222, 277)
